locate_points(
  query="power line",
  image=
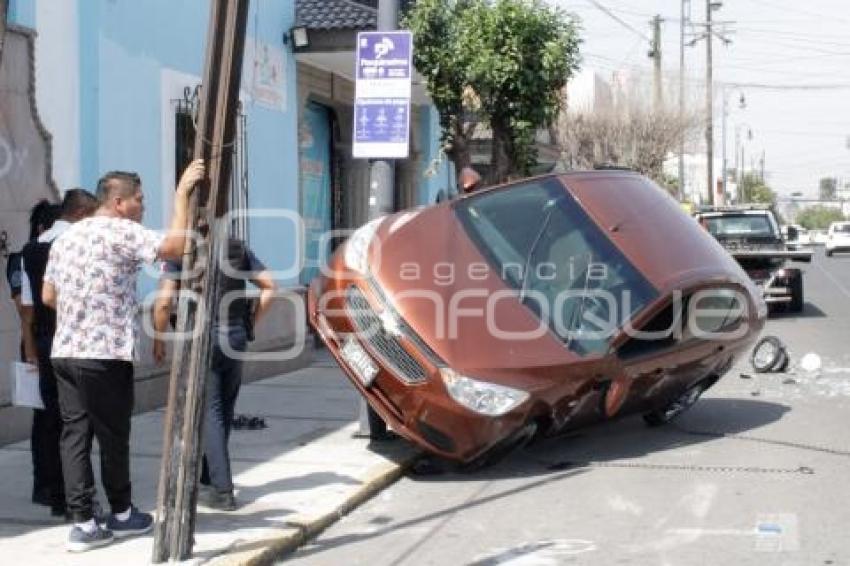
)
(617, 19)
(822, 17)
(765, 86)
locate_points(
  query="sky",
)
(804, 134)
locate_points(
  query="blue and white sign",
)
(382, 94)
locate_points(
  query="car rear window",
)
(739, 225)
(542, 243)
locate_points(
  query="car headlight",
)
(357, 247)
(484, 398)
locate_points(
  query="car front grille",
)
(371, 329)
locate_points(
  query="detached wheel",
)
(768, 355)
(796, 285)
(676, 407)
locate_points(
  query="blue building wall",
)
(22, 13)
(124, 48)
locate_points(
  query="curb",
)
(265, 551)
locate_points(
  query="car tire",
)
(796, 285)
(783, 363)
(676, 407)
(767, 354)
(501, 449)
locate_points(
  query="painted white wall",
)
(58, 84)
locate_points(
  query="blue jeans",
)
(222, 389)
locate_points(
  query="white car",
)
(838, 238)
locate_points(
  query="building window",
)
(185, 114)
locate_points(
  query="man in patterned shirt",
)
(91, 282)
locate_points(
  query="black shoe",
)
(59, 510)
(42, 497)
(218, 500)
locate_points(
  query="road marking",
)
(834, 280)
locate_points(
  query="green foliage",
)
(753, 189)
(819, 217)
(506, 60)
(437, 37)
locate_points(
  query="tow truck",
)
(751, 234)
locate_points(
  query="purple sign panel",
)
(383, 55)
(382, 95)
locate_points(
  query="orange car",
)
(528, 308)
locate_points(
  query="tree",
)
(827, 188)
(819, 217)
(500, 63)
(630, 134)
(753, 189)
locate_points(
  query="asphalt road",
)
(755, 473)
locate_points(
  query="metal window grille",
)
(185, 116)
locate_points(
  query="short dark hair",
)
(123, 183)
(78, 201)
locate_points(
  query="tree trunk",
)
(459, 152)
(501, 165)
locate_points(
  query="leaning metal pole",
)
(215, 129)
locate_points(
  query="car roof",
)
(650, 227)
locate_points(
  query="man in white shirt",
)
(91, 282)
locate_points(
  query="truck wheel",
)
(796, 292)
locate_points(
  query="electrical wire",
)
(618, 19)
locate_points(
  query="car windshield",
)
(740, 225)
(544, 245)
(842, 228)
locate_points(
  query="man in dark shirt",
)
(233, 321)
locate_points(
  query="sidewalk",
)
(292, 479)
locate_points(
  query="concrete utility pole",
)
(709, 104)
(682, 22)
(655, 55)
(216, 127)
(381, 202)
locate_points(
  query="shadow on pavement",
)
(810, 310)
(623, 439)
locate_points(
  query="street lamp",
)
(742, 103)
(739, 167)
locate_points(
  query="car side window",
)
(659, 334)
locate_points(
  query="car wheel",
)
(676, 407)
(796, 293)
(767, 354)
(501, 449)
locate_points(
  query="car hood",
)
(440, 284)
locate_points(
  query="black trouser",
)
(222, 389)
(96, 398)
(46, 429)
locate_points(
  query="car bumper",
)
(416, 407)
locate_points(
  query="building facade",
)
(115, 85)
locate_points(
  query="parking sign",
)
(382, 95)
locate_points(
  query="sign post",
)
(382, 95)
